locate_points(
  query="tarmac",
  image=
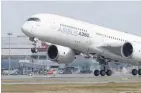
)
(69, 79)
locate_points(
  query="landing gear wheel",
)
(96, 72)
(139, 71)
(33, 50)
(102, 73)
(109, 72)
(134, 72)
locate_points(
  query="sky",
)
(120, 15)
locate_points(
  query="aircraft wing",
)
(114, 48)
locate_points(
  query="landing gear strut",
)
(34, 49)
(104, 68)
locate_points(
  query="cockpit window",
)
(33, 19)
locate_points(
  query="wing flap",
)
(114, 48)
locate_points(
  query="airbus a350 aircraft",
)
(69, 37)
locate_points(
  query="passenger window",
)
(34, 19)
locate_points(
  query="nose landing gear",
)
(34, 49)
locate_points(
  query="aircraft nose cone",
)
(26, 29)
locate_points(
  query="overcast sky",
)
(123, 16)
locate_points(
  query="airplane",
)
(68, 37)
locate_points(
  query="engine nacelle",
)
(60, 54)
(132, 50)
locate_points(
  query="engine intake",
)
(60, 54)
(52, 52)
(127, 49)
(132, 50)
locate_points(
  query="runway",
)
(69, 79)
(66, 83)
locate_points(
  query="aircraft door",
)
(98, 39)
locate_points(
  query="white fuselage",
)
(78, 35)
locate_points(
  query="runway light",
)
(9, 34)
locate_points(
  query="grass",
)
(74, 88)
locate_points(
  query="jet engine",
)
(60, 54)
(131, 50)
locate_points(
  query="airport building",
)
(19, 50)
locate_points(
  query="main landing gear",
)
(104, 68)
(137, 71)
